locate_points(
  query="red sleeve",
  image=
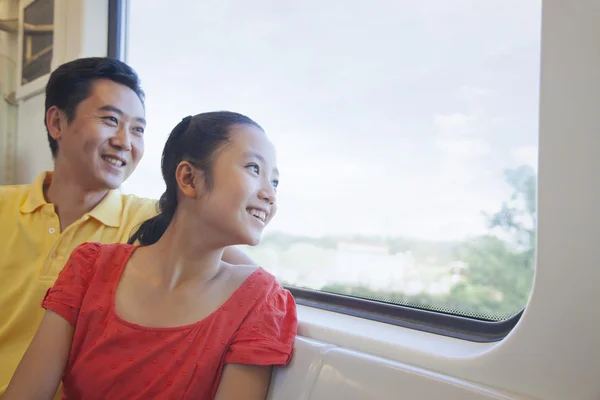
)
(267, 335)
(67, 293)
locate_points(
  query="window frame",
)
(117, 23)
(436, 322)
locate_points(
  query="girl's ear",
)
(189, 179)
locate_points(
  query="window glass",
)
(406, 131)
(38, 39)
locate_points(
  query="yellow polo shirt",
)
(33, 251)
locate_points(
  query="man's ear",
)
(56, 120)
(189, 179)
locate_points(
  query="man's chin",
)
(110, 184)
(111, 181)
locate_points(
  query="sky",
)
(390, 117)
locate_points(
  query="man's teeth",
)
(113, 161)
(258, 213)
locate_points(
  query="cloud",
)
(527, 155)
(467, 148)
(475, 93)
(455, 136)
(455, 124)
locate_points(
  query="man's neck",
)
(70, 199)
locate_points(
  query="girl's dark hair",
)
(195, 139)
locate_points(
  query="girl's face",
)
(243, 196)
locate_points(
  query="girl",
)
(167, 319)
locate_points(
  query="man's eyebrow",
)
(120, 112)
(260, 158)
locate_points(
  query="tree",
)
(500, 267)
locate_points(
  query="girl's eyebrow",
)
(254, 154)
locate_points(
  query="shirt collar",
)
(35, 195)
(108, 211)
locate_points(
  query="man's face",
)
(104, 142)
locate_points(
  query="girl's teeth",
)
(258, 214)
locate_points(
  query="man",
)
(95, 119)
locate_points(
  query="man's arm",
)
(233, 255)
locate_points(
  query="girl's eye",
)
(276, 183)
(254, 168)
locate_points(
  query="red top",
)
(113, 359)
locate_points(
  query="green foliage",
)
(499, 272)
(504, 268)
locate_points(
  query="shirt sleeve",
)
(67, 293)
(267, 335)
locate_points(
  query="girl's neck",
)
(185, 255)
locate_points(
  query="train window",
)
(407, 136)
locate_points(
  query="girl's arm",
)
(248, 382)
(41, 369)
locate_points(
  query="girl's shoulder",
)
(99, 258)
(255, 286)
(97, 249)
(252, 277)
